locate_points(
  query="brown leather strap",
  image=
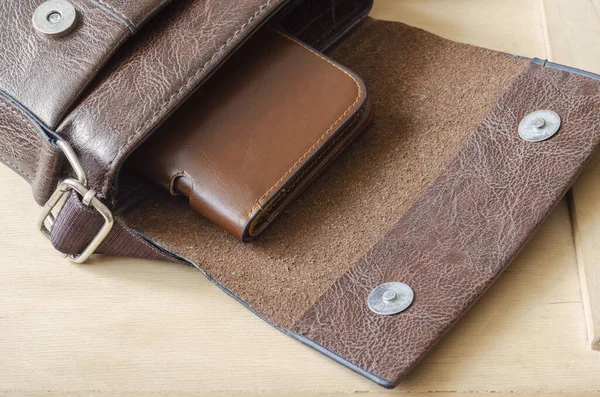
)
(76, 226)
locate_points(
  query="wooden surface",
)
(567, 28)
(122, 327)
(585, 212)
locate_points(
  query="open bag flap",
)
(440, 193)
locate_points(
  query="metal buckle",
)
(89, 199)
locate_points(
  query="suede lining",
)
(429, 94)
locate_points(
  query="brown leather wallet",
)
(251, 139)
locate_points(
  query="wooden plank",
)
(512, 26)
(277, 394)
(573, 34)
(585, 212)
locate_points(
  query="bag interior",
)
(428, 94)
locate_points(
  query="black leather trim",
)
(330, 39)
(340, 360)
(552, 65)
(309, 342)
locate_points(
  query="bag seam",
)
(22, 118)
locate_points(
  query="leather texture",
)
(414, 136)
(133, 14)
(253, 137)
(32, 64)
(449, 246)
(24, 149)
(463, 231)
(51, 78)
(16, 127)
(47, 75)
(151, 76)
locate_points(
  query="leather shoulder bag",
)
(468, 152)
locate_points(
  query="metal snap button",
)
(539, 126)
(55, 18)
(390, 298)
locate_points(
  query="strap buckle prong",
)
(46, 219)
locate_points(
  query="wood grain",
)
(573, 31)
(585, 213)
(123, 327)
(513, 26)
(572, 39)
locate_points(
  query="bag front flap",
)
(53, 49)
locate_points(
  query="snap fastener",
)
(539, 126)
(390, 298)
(55, 18)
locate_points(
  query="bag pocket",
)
(153, 74)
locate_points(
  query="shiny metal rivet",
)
(390, 298)
(55, 18)
(539, 123)
(539, 126)
(389, 295)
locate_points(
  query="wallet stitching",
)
(39, 148)
(187, 83)
(282, 194)
(325, 134)
(309, 168)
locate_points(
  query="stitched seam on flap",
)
(119, 13)
(322, 137)
(113, 12)
(13, 165)
(187, 83)
(26, 121)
